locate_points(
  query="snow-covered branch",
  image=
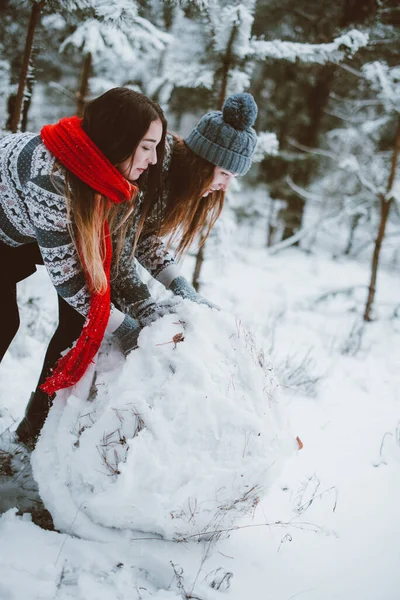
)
(345, 45)
(386, 82)
(267, 145)
(301, 191)
(98, 37)
(225, 20)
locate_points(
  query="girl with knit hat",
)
(197, 172)
(86, 197)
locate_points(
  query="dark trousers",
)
(19, 263)
(9, 316)
(70, 324)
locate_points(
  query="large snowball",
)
(181, 439)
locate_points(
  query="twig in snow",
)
(61, 579)
(347, 291)
(219, 579)
(178, 337)
(178, 572)
(67, 535)
(286, 538)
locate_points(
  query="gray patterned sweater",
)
(33, 209)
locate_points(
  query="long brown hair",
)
(187, 214)
(116, 122)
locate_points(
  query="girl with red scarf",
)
(66, 198)
(88, 196)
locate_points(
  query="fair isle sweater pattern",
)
(33, 209)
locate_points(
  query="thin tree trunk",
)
(270, 227)
(168, 16)
(226, 65)
(317, 101)
(199, 264)
(385, 202)
(353, 226)
(10, 110)
(33, 21)
(30, 80)
(84, 85)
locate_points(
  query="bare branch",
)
(350, 70)
(301, 191)
(300, 234)
(319, 151)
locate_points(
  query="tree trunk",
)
(318, 98)
(385, 202)
(33, 21)
(356, 12)
(353, 226)
(84, 86)
(168, 16)
(30, 80)
(10, 110)
(226, 65)
(271, 227)
(198, 264)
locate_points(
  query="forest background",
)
(325, 77)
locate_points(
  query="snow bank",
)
(180, 439)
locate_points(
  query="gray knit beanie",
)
(226, 139)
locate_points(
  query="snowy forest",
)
(271, 466)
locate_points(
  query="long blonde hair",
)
(87, 212)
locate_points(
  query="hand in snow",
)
(127, 334)
(181, 287)
(147, 311)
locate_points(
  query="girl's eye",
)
(145, 148)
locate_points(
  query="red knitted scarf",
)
(76, 151)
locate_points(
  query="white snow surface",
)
(329, 528)
(181, 439)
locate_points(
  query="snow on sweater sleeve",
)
(47, 209)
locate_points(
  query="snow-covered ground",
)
(329, 528)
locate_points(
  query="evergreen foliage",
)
(325, 77)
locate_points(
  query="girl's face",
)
(145, 153)
(221, 181)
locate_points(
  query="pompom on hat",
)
(226, 138)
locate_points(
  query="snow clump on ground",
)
(181, 439)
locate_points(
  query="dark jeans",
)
(17, 264)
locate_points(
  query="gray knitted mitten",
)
(127, 334)
(147, 311)
(181, 287)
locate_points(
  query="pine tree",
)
(113, 38)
